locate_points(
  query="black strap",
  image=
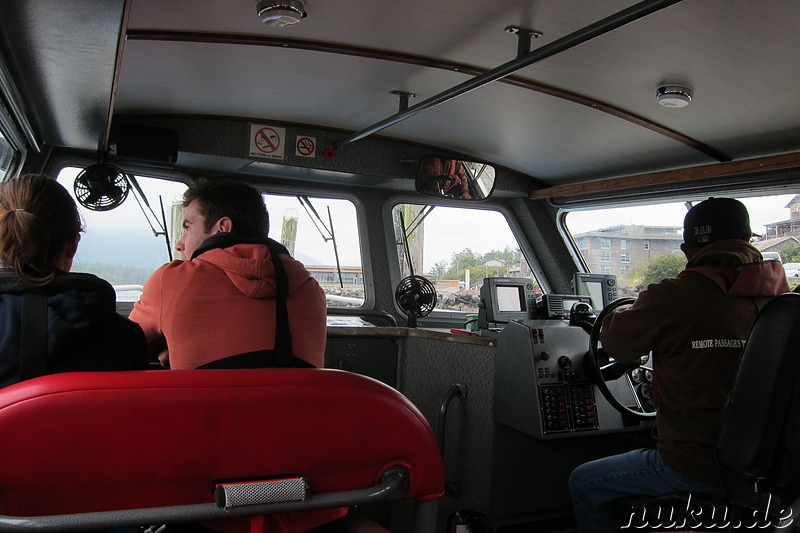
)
(284, 357)
(283, 337)
(226, 240)
(259, 359)
(33, 341)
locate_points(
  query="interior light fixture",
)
(674, 96)
(280, 13)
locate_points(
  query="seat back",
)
(107, 441)
(757, 434)
(758, 427)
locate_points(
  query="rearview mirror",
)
(443, 177)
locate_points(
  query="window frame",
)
(439, 316)
(59, 163)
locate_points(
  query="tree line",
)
(115, 274)
(468, 259)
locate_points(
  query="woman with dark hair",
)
(50, 320)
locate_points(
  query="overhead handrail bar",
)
(610, 23)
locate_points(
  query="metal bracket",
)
(524, 38)
(404, 96)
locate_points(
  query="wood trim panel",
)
(716, 170)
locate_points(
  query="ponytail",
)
(38, 218)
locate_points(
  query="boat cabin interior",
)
(470, 182)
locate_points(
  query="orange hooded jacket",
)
(222, 303)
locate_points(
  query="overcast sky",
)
(762, 211)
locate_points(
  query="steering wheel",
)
(639, 376)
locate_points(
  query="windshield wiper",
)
(331, 235)
(406, 233)
(417, 220)
(162, 224)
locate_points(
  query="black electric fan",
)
(101, 187)
(416, 297)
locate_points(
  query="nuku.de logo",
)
(696, 516)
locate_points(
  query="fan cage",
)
(101, 187)
(418, 290)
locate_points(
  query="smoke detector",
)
(674, 96)
(280, 13)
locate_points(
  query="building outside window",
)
(645, 233)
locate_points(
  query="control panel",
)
(541, 388)
(559, 305)
(602, 288)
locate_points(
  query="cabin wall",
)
(373, 161)
(538, 222)
(426, 370)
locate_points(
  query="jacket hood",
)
(737, 268)
(250, 268)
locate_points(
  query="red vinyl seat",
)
(104, 449)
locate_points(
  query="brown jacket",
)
(695, 326)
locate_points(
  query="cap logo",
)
(702, 233)
(702, 230)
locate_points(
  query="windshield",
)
(641, 244)
(322, 233)
(456, 248)
(124, 245)
(120, 245)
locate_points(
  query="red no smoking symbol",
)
(267, 140)
(305, 146)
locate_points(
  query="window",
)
(304, 227)
(456, 249)
(120, 245)
(605, 257)
(6, 156)
(654, 234)
(605, 244)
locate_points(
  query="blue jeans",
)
(596, 484)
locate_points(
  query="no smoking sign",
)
(305, 146)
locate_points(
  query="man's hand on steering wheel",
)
(600, 370)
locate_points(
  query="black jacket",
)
(84, 331)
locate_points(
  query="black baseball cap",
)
(716, 219)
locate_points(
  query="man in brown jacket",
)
(695, 326)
